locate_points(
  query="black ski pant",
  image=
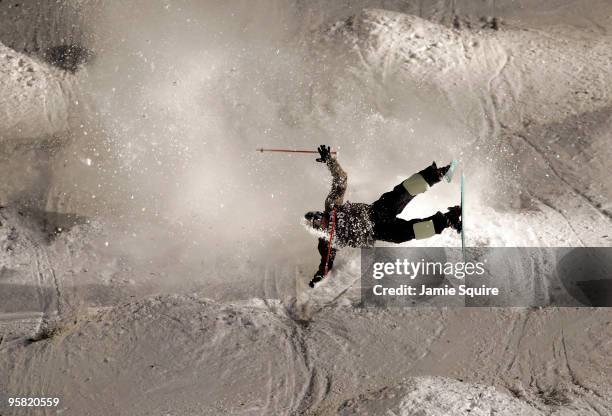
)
(387, 227)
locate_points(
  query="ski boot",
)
(453, 218)
(433, 174)
(424, 179)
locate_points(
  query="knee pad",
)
(424, 229)
(415, 184)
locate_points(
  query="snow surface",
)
(34, 104)
(437, 396)
(152, 263)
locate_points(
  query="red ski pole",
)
(331, 239)
(261, 149)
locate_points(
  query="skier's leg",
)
(398, 230)
(392, 203)
(422, 181)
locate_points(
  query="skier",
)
(360, 225)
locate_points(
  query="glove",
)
(325, 152)
(316, 279)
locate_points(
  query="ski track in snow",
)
(295, 351)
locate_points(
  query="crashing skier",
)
(351, 224)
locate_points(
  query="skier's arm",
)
(323, 251)
(338, 188)
(339, 178)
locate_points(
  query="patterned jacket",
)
(353, 225)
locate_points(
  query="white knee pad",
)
(415, 184)
(423, 229)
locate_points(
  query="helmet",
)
(315, 218)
